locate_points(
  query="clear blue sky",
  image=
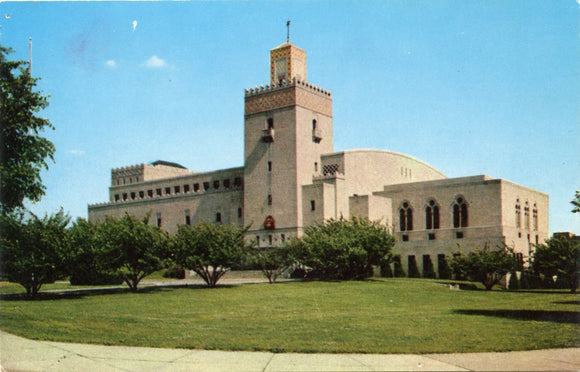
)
(471, 87)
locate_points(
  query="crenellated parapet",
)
(147, 172)
(285, 84)
(288, 93)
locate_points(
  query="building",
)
(292, 178)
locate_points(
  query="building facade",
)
(292, 178)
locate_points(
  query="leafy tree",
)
(209, 249)
(137, 249)
(486, 265)
(346, 249)
(91, 262)
(559, 256)
(273, 261)
(23, 151)
(33, 251)
(576, 203)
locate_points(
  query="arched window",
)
(432, 215)
(518, 214)
(406, 217)
(460, 217)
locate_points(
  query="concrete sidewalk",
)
(20, 354)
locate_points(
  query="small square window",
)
(158, 192)
(238, 181)
(168, 191)
(405, 238)
(125, 196)
(150, 193)
(431, 236)
(206, 186)
(195, 187)
(177, 189)
(133, 195)
(117, 197)
(141, 194)
(459, 235)
(227, 183)
(216, 184)
(186, 188)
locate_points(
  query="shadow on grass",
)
(79, 293)
(567, 302)
(555, 316)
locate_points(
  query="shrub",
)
(345, 249)
(486, 265)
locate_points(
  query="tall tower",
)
(287, 127)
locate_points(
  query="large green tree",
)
(346, 249)
(137, 249)
(23, 150)
(486, 265)
(92, 260)
(209, 249)
(559, 256)
(33, 251)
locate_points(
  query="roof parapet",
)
(285, 84)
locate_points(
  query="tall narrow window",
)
(535, 217)
(518, 214)
(187, 217)
(270, 239)
(460, 217)
(314, 124)
(218, 217)
(159, 222)
(527, 215)
(406, 217)
(432, 215)
(239, 212)
(269, 166)
(270, 199)
(270, 123)
(313, 205)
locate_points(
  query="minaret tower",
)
(288, 126)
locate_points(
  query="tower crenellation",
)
(285, 84)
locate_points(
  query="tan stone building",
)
(292, 178)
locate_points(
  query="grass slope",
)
(377, 316)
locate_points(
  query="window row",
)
(534, 214)
(187, 215)
(178, 189)
(432, 215)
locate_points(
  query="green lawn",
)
(377, 316)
